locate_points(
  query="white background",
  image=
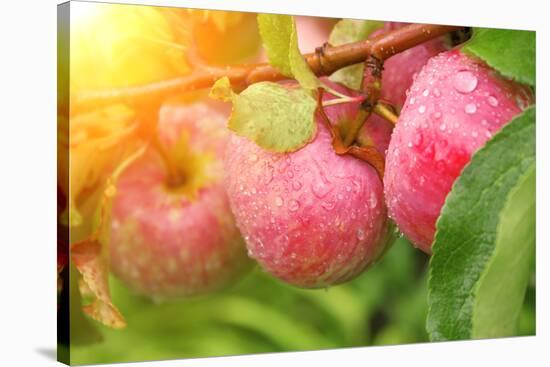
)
(28, 183)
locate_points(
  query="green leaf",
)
(276, 32)
(280, 39)
(347, 31)
(277, 118)
(514, 249)
(511, 52)
(484, 239)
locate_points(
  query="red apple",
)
(178, 240)
(311, 218)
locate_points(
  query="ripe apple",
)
(179, 239)
(311, 218)
(454, 106)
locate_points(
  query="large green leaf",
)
(511, 52)
(347, 31)
(277, 118)
(280, 40)
(514, 249)
(484, 239)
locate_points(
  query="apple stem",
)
(174, 176)
(324, 61)
(386, 111)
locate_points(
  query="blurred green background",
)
(385, 305)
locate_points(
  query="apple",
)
(178, 238)
(311, 218)
(454, 106)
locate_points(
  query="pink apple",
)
(178, 241)
(454, 106)
(311, 218)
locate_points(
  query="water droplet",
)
(348, 188)
(293, 205)
(437, 115)
(320, 189)
(268, 177)
(253, 190)
(442, 127)
(253, 158)
(328, 205)
(470, 108)
(484, 122)
(492, 101)
(360, 234)
(426, 93)
(412, 100)
(296, 185)
(250, 253)
(373, 201)
(422, 109)
(474, 134)
(465, 81)
(410, 144)
(437, 93)
(279, 201)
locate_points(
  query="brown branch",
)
(323, 62)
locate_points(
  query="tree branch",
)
(324, 61)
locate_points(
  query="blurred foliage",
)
(386, 305)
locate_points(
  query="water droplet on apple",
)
(328, 205)
(470, 108)
(492, 101)
(437, 93)
(253, 158)
(426, 93)
(296, 185)
(360, 234)
(320, 189)
(465, 81)
(279, 201)
(293, 205)
(422, 109)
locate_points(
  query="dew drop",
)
(426, 93)
(437, 115)
(484, 122)
(474, 134)
(360, 234)
(422, 109)
(296, 185)
(293, 205)
(328, 205)
(410, 144)
(470, 108)
(465, 81)
(437, 93)
(253, 158)
(279, 201)
(442, 127)
(372, 200)
(412, 100)
(492, 101)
